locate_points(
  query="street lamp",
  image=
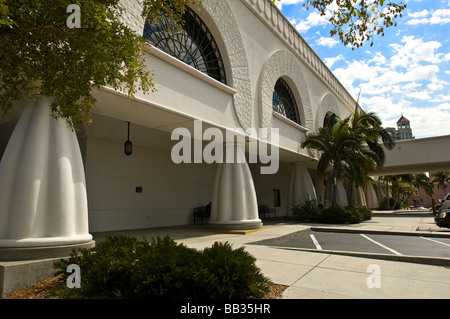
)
(128, 146)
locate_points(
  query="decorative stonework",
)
(227, 24)
(131, 15)
(284, 64)
(328, 103)
(281, 26)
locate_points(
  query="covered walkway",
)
(419, 155)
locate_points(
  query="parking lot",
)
(368, 243)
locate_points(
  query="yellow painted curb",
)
(235, 232)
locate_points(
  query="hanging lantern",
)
(128, 146)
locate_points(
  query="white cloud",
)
(279, 3)
(440, 16)
(314, 19)
(419, 14)
(425, 121)
(436, 85)
(378, 59)
(329, 42)
(331, 61)
(419, 95)
(406, 81)
(413, 50)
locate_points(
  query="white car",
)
(445, 202)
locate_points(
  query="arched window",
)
(283, 101)
(194, 44)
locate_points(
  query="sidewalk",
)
(317, 275)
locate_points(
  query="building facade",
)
(238, 65)
(403, 131)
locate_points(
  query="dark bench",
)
(201, 212)
(264, 211)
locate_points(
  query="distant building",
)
(421, 198)
(403, 131)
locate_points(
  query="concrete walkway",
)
(311, 274)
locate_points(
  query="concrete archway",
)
(284, 64)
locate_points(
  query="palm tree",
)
(342, 143)
(367, 127)
(339, 149)
(421, 180)
(402, 187)
(442, 178)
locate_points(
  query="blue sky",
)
(405, 72)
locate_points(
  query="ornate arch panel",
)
(328, 103)
(284, 64)
(226, 23)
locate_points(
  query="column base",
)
(41, 252)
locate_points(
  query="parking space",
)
(369, 243)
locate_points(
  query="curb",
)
(402, 258)
(384, 232)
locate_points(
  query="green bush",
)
(227, 273)
(336, 215)
(309, 212)
(306, 211)
(365, 212)
(345, 214)
(124, 267)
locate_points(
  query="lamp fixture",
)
(128, 146)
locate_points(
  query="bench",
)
(201, 212)
(265, 211)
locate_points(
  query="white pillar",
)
(301, 186)
(234, 204)
(358, 197)
(43, 199)
(371, 196)
(341, 194)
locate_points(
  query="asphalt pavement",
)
(310, 273)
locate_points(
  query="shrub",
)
(124, 267)
(345, 214)
(227, 273)
(306, 211)
(365, 212)
(336, 215)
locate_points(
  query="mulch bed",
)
(44, 289)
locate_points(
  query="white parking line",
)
(385, 247)
(436, 241)
(318, 247)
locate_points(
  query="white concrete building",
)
(252, 70)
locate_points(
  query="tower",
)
(404, 131)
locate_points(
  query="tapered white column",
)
(43, 199)
(301, 186)
(234, 204)
(371, 196)
(358, 196)
(341, 194)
